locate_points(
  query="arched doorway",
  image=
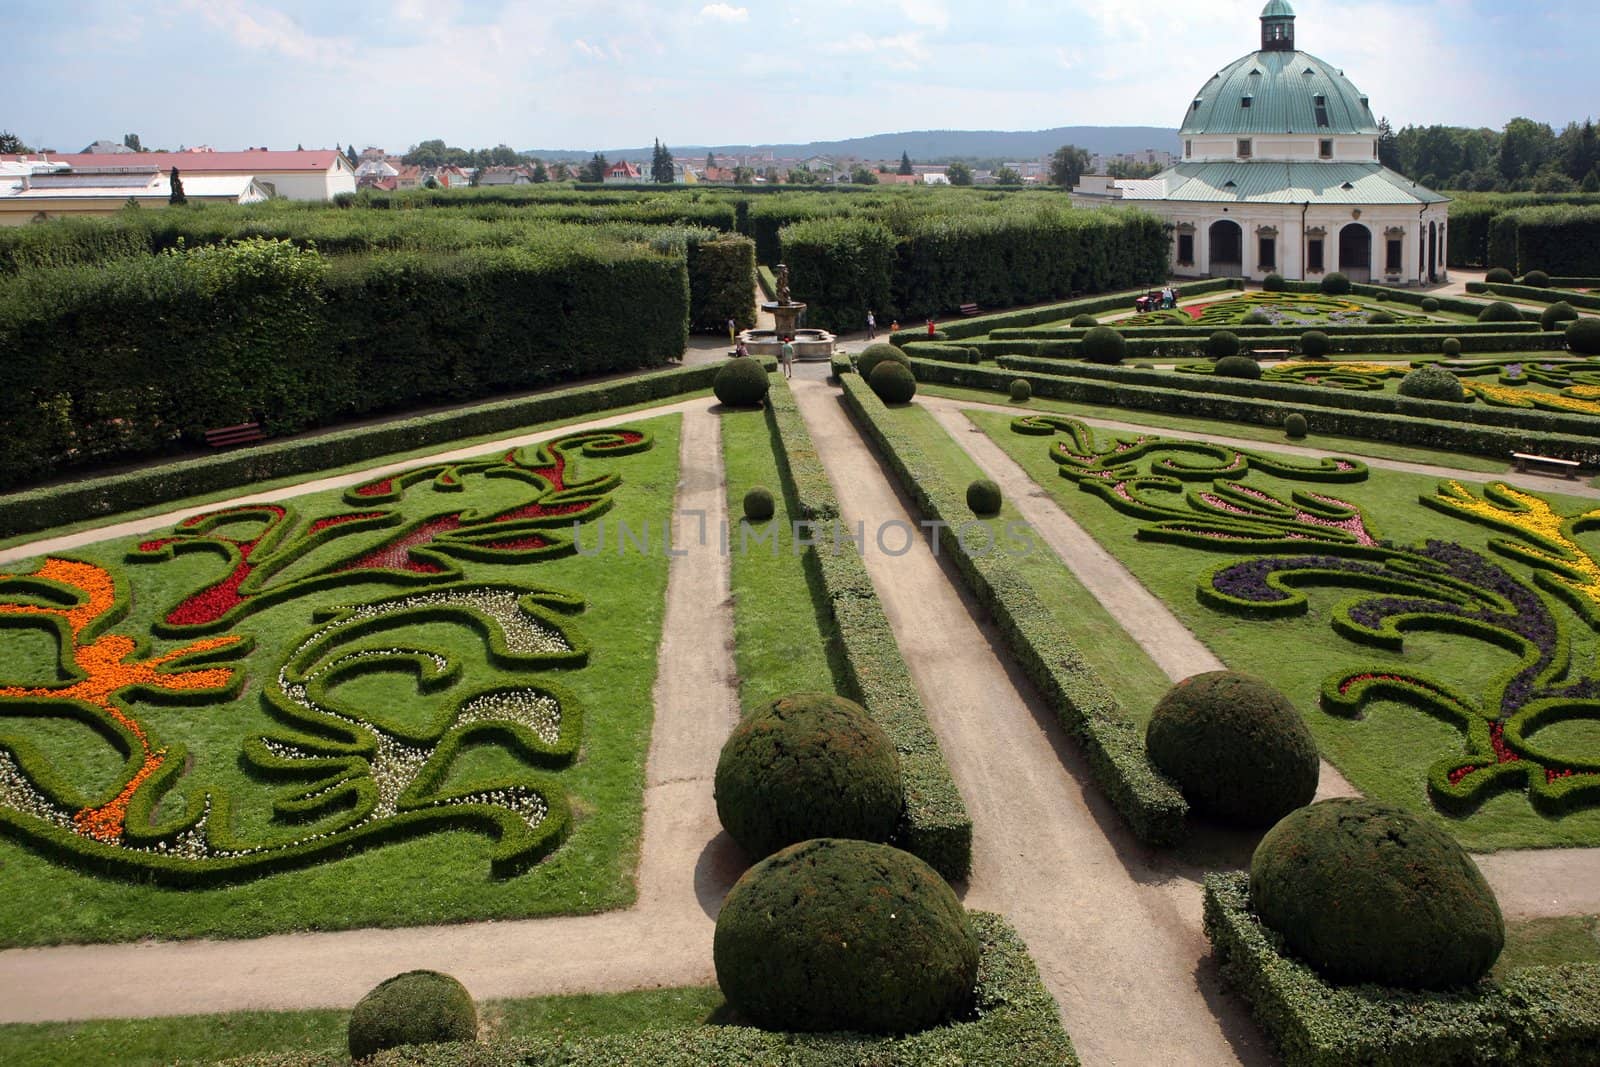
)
(1433, 251)
(1355, 252)
(1227, 250)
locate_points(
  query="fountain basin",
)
(808, 344)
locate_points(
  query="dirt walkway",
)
(664, 940)
(1115, 933)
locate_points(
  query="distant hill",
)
(925, 146)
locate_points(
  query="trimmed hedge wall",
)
(39, 509)
(840, 268)
(936, 825)
(984, 325)
(1534, 294)
(722, 284)
(1536, 1016)
(1195, 347)
(1560, 240)
(1113, 744)
(1250, 333)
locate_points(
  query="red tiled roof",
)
(203, 162)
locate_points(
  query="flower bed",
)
(1284, 310)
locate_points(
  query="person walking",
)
(932, 326)
(872, 327)
(786, 357)
(733, 331)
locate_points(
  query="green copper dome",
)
(1271, 92)
(1277, 9)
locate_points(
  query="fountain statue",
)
(785, 312)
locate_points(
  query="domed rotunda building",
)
(1280, 174)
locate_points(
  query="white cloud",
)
(267, 30)
(725, 13)
(929, 13)
(902, 51)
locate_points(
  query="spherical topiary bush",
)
(1430, 304)
(1103, 345)
(1021, 391)
(759, 505)
(1273, 283)
(1237, 748)
(1451, 346)
(741, 383)
(1336, 284)
(1499, 276)
(1365, 892)
(1255, 318)
(1222, 343)
(1553, 316)
(1583, 336)
(1084, 321)
(873, 355)
(1432, 382)
(414, 1008)
(893, 382)
(807, 765)
(1237, 367)
(1499, 311)
(1536, 278)
(1315, 344)
(1381, 318)
(1294, 425)
(844, 935)
(983, 497)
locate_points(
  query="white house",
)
(37, 197)
(298, 175)
(1280, 174)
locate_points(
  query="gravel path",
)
(664, 940)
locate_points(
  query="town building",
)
(29, 194)
(1279, 174)
(297, 175)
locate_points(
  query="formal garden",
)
(568, 707)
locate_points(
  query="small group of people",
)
(1167, 298)
(785, 354)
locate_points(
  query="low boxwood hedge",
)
(982, 325)
(1533, 294)
(1540, 1015)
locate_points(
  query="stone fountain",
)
(785, 312)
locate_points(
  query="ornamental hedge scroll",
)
(1310, 538)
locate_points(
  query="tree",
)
(539, 175)
(560, 172)
(1524, 148)
(177, 198)
(350, 154)
(1007, 176)
(801, 176)
(771, 175)
(1068, 164)
(1591, 182)
(131, 140)
(863, 176)
(661, 165)
(711, 161)
(905, 164)
(958, 173)
(12, 145)
(594, 170)
(1388, 145)
(743, 175)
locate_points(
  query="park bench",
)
(228, 436)
(1271, 353)
(1567, 467)
(969, 310)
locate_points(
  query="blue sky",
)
(587, 74)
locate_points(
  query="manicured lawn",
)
(440, 874)
(1387, 751)
(1545, 942)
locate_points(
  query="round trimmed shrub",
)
(1451, 346)
(1237, 367)
(1336, 284)
(1084, 321)
(741, 383)
(1103, 345)
(844, 935)
(1021, 391)
(759, 505)
(893, 382)
(414, 1008)
(1499, 311)
(1553, 316)
(1499, 276)
(875, 354)
(1536, 278)
(1432, 382)
(1222, 343)
(1273, 283)
(1429, 304)
(983, 497)
(807, 765)
(1315, 344)
(1294, 425)
(1366, 892)
(1583, 336)
(1381, 318)
(1235, 746)
(1255, 318)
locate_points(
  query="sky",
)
(596, 74)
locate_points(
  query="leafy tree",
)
(661, 167)
(711, 160)
(11, 144)
(177, 198)
(862, 175)
(1124, 168)
(905, 164)
(350, 154)
(539, 175)
(560, 172)
(594, 170)
(1067, 164)
(771, 175)
(801, 176)
(1388, 145)
(958, 173)
(432, 182)
(743, 175)
(131, 140)
(1591, 182)
(1007, 176)
(1524, 148)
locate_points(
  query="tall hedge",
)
(722, 283)
(840, 268)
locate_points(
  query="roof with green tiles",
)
(1279, 92)
(1260, 182)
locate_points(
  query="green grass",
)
(205, 1038)
(1350, 446)
(1547, 942)
(780, 644)
(443, 877)
(1386, 753)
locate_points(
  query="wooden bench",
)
(1568, 467)
(1271, 353)
(969, 310)
(228, 436)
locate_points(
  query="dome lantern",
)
(1277, 27)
